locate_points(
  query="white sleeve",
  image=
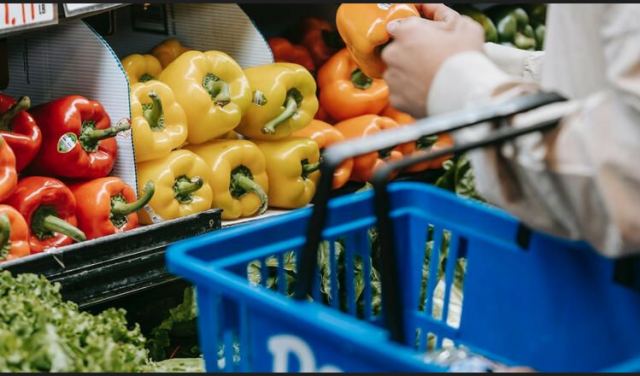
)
(526, 65)
(580, 180)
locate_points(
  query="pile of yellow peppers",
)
(213, 135)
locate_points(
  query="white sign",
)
(16, 16)
(74, 9)
(283, 346)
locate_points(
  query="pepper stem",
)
(153, 112)
(55, 224)
(361, 80)
(120, 208)
(291, 107)
(145, 77)
(89, 136)
(22, 104)
(184, 187)
(244, 183)
(218, 89)
(309, 168)
(5, 236)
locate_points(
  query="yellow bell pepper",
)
(141, 68)
(182, 186)
(238, 176)
(213, 91)
(284, 100)
(168, 51)
(158, 123)
(292, 167)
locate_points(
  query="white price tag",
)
(15, 16)
(74, 9)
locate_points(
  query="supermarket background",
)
(145, 63)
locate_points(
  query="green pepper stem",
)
(5, 236)
(361, 80)
(218, 90)
(248, 185)
(55, 224)
(90, 136)
(309, 168)
(185, 187)
(22, 104)
(153, 113)
(121, 208)
(145, 77)
(291, 107)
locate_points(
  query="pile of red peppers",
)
(55, 188)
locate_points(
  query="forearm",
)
(577, 181)
(519, 63)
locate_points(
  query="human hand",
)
(419, 47)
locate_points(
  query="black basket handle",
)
(335, 155)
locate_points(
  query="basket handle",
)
(336, 154)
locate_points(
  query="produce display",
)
(206, 133)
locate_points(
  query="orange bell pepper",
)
(363, 27)
(8, 173)
(432, 143)
(399, 116)
(346, 92)
(322, 115)
(14, 234)
(321, 39)
(325, 135)
(286, 52)
(366, 125)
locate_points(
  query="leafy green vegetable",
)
(458, 178)
(181, 322)
(39, 332)
(177, 365)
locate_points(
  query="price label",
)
(74, 9)
(16, 16)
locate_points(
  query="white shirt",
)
(581, 180)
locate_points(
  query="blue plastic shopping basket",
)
(513, 295)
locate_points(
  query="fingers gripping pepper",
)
(212, 90)
(108, 205)
(8, 174)
(325, 135)
(141, 68)
(19, 129)
(49, 208)
(321, 39)
(181, 186)
(363, 27)
(284, 100)
(168, 51)
(77, 139)
(286, 52)
(365, 165)
(346, 92)
(292, 168)
(239, 177)
(14, 234)
(158, 122)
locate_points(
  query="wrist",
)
(462, 79)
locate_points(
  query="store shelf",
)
(109, 268)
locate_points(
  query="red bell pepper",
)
(8, 174)
(321, 39)
(14, 234)
(285, 51)
(108, 205)
(49, 208)
(77, 139)
(19, 129)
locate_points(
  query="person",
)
(579, 180)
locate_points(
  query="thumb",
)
(398, 26)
